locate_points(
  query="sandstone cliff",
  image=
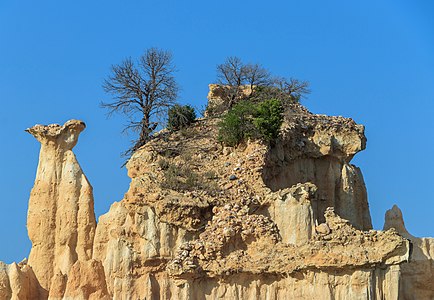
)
(202, 221)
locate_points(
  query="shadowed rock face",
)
(61, 221)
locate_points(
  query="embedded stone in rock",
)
(61, 220)
(322, 228)
(232, 177)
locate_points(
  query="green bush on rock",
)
(180, 116)
(268, 118)
(248, 120)
(236, 125)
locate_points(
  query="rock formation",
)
(18, 281)
(216, 97)
(318, 149)
(418, 275)
(203, 221)
(61, 220)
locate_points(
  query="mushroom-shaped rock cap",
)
(65, 136)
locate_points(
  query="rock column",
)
(61, 220)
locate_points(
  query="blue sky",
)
(369, 60)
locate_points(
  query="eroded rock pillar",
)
(61, 220)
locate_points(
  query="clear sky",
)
(370, 60)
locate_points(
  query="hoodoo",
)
(61, 220)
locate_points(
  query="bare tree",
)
(233, 74)
(294, 88)
(287, 90)
(256, 75)
(143, 91)
(230, 74)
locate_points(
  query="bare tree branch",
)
(142, 90)
(234, 76)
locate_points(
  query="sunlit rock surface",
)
(61, 220)
(203, 221)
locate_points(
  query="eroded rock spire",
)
(61, 220)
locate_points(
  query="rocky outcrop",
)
(237, 234)
(203, 221)
(217, 95)
(318, 149)
(61, 221)
(237, 242)
(86, 281)
(417, 275)
(131, 242)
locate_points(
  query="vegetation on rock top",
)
(248, 120)
(146, 92)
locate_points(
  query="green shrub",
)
(268, 118)
(249, 120)
(237, 124)
(180, 116)
(193, 181)
(172, 177)
(163, 164)
(168, 152)
(186, 155)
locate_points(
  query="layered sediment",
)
(203, 221)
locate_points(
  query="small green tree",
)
(268, 118)
(180, 116)
(248, 120)
(236, 125)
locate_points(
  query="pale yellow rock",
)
(291, 210)
(394, 219)
(289, 221)
(132, 238)
(86, 281)
(58, 285)
(417, 276)
(61, 221)
(318, 149)
(18, 282)
(292, 186)
(341, 285)
(217, 92)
